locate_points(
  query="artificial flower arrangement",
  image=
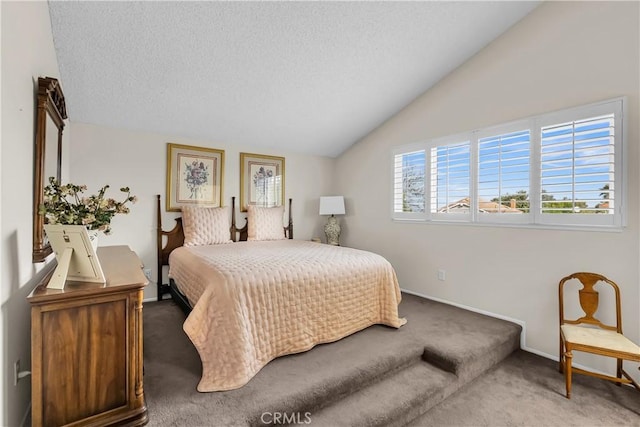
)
(65, 204)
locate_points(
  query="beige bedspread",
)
(255, 301)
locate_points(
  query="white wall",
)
(561, 55)
(27, 53)
(101, 155)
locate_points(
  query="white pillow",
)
(265, 223)
(205, 226)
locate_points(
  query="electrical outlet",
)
(442, 275)
(16, 372)
(147, 273)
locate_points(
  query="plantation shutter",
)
(503, 173)
(450, 178)
(409, 183)
(577, 165)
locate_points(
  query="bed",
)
(266, 296)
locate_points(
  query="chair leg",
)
(560, 357)
(567, 372)
(619, 372)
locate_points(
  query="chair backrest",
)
(589, 299)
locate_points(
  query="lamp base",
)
(332, 231)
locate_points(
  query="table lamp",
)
(332, 205)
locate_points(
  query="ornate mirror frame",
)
(50, 107)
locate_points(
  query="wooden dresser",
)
(86, 347)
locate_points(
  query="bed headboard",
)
(175, 239)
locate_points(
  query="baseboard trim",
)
(545, 355)
(154, 299)
(576, 365)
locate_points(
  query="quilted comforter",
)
(255, 301)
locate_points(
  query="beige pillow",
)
(205, 226)
(265, 223)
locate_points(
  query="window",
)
(503, 173)
(577, 168)
(409, 183)
(450, 182)
(558, 169)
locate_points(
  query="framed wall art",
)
(194, 176)
(261, 180)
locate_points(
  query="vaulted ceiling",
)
(311, 77)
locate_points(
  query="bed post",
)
(233, 229)
(159, 253)
(175, 239)
(290, 233)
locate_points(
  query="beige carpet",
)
(528, 390)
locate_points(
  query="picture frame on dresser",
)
(195, 176)
(76, 256)
(262, 180)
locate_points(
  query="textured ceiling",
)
(311, 77)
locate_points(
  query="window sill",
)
(594, 228)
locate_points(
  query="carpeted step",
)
(394, 401)
(345, 371)
(460, 341)
(471, 344)
(472, 360)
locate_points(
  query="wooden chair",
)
(590, 335)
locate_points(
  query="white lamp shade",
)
(332, 205)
